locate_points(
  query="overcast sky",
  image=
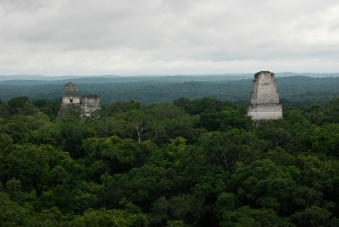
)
(168, 37)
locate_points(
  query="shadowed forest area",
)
(301, 90)
(182, 161)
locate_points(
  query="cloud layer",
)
(124, 37)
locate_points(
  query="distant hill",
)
(40, 80)
(296, 89)
(26, 79)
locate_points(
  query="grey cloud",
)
(27, 6)
(158, 32)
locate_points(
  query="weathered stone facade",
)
(70, 98)
(90, 103)
(264, 98)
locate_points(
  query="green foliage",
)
(225, 148)
(20, 105)
(245, 216)
(118, 108)
(11, 214)
(325, 140)
(48, 107)
(196, 162)
(263, 184)
(312, 216)
(225, 120)
(4, 113)
(29, 165)
(185, 207)
(175, 224)
(108, 218)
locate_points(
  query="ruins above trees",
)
(264, 98)
(70, 99)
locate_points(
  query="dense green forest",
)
(300, 90)
(193, 162)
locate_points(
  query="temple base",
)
(265, 112)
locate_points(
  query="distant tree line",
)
(299, 90)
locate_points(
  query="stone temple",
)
(89, 104)
(264, 98)
(70, 99)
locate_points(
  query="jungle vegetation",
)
(190, 162)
